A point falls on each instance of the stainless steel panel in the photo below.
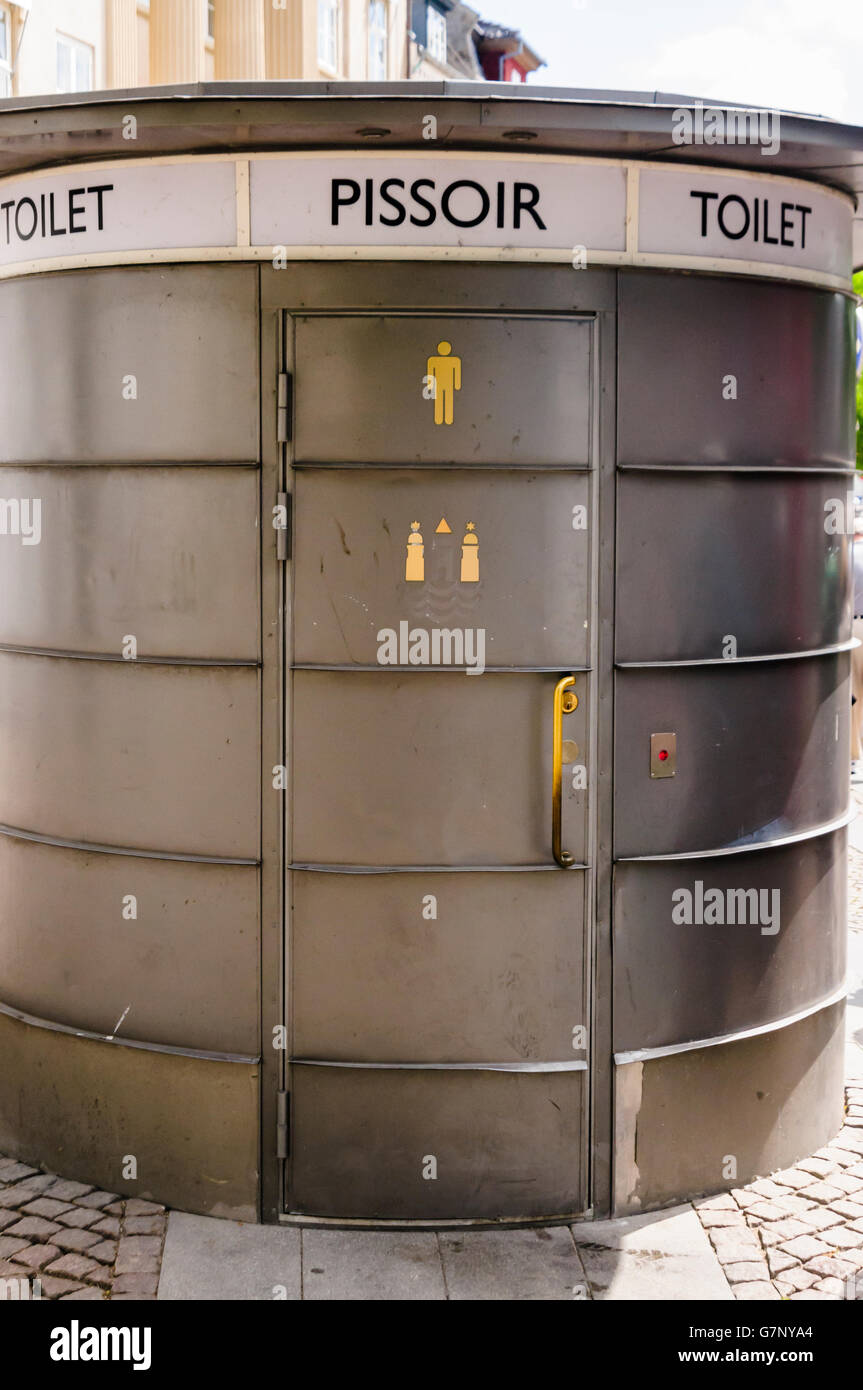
(438, 967)
(505, 1144)
(352, 561)
(183, 972)
(170, 555)
(145, 757)
(425, 285)
(430, 767)
(708, 557)
(76, 1107)
(790, 349)
(524, 397)
(187, 334)
(763, 1102)
(761, 753)
(684, 980)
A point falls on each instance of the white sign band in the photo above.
(518, 207)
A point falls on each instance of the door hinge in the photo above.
(283, 414)
(282, 1124)
(282, 524)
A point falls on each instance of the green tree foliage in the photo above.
(858, 286)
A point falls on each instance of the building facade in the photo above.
(84, 45)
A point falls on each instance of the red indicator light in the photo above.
(663, 754)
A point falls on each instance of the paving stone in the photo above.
(79, 1217)
(101, 1275)
(823, 1192)
(133, 1297)
(848, 1141)
(829, 1264)
(743, 1197)
(139, 1285)
(849, 1182)
(138, 1253)
(856, 1224)
(854, 1257)
(723, 1201)
(10, 1271)
(8, 1217)
(75, 1240)
(842, 1238)
(766, 1187)
(794, 1178)
(10, 1245)
(82, 1294)
(52, 1287)
(76, 1266)
(110, 1225)
(844, 1160)
(97, 1199)
(708, 1219)
(796, 1204)
(155, 1225)
(819, 1166)
(766, 1211)
(105, 1252)
(44, 1206)
(758, 1289)
(67, 1191)
(775, 1232)
(805, 1247)
(820, 1218)
(779, 1260)
(834, 1288)
(136, 1206)
(22, 1192)
(11, 1170)
(745, 1272)
(114, 1209)
(735, 1243)
(34, 1228)
(35, 1256)
(807, 1295)
(798, 1278)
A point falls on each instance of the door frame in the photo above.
(405, 288)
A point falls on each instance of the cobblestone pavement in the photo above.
(799, 1233)
(79, 1242)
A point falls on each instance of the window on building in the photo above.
(436, 33)
(5, 52)
(74, 65)
(329, 24)
(211, 18)
(377, 40)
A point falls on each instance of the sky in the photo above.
(798, 55)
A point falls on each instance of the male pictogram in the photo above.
(444, 375)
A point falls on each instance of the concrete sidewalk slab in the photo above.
(524, 1265)
(207, 1258)
(372, 1265)
(660, 1256)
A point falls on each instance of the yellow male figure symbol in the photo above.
(445, 373)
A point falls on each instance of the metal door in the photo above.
(438, 752)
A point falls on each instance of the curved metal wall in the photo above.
(130, 794)
(141, 779)
(735, 443)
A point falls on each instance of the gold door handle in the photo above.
(565, 701)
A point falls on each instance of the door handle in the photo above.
(565, 701)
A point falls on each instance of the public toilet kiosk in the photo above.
(424, 646)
